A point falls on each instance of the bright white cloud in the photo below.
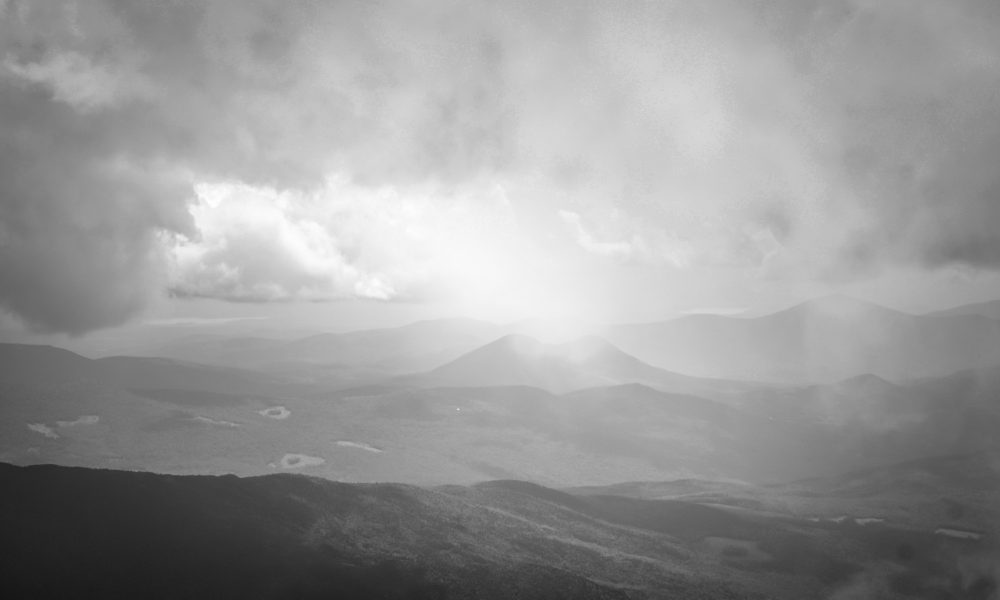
(343, 240)
(254, 244)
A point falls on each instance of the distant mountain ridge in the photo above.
(26, 363)
(989, 309)
(419, 345)
(821, 340)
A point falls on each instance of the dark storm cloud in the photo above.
(78, 232)
(817, 138)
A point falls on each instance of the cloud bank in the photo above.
(274, 151)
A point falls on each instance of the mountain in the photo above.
(420, 345)
(819, 341)
(158, 414)
(514, 408)
(822, 340)
(31, 364)
(214, 348)
(989, 309)
(553, 330)
(114, 534)
(36, 363)
(518, 360)
(411, 347)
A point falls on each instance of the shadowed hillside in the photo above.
(114, 534)
(117, 534)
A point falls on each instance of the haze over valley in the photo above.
(912, 460)
(628, 300)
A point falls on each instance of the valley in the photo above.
(517, 467)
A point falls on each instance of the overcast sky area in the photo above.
(356, 163)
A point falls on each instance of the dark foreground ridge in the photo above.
(75, 532)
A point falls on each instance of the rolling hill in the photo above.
(111, 534)
(31, 364)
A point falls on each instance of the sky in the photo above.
(356, 163)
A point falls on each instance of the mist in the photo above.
(595, 299)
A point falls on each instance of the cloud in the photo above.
(251, 247)
(795, 140)
(917, 115)
(78, 82)
(79, 228)
(343, 240)
(626, 242)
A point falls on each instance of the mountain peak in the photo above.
(840, 305)
(589, 345)
(990, 308)
(867, 382)
(524, 346)
(514, 341)
(521, 360)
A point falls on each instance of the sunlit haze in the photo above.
(492, 299)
